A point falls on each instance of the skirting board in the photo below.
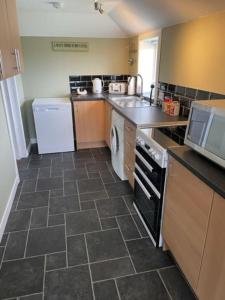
(8, 206)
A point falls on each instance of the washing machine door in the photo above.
(114, 140)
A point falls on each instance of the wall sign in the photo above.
(70, 46)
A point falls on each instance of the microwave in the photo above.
(205, 132)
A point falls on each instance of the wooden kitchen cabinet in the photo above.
(212, 276)
(89, 123)
(129, 147)
(108, 123)
(188, 203)
(11, 62)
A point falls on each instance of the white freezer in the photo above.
(54, 125)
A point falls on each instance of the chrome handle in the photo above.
(1, 65)
(18, 64)
(142, 186)
(144, 161)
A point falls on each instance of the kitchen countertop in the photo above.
(206, 170)
(142, 117)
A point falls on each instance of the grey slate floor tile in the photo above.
(28, 174)
(93, 196)
(106, 290)
(27, 273)
(31, 200)
(111, 207)
(147, 286)
(112, 269)
(39, 217)
(60, 205)
(128, 228)
(90, 185)
(55, 261)
(105, 245)
(16, 245)
(46, 184)
(82, 222)
(146, 257)
(56, 220)
(69, 284)
(176, 284)
(46, 240)
(79, 173)
(140, 225)
(116, 189)
(18, 220)
(70, 188)
(86, 205)
(32, 297)
(29, 186)
(109, 223)
(76, 249)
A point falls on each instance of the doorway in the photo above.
(13, 113)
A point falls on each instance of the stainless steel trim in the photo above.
(143, 160)
(142, 186)
(148, 181)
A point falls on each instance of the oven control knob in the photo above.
(157, 156)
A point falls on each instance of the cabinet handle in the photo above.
(18, 64)
(1, 65)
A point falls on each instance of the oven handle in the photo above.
(148, 181)
(142, 186)
(144, 161)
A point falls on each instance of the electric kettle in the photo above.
(97, 85)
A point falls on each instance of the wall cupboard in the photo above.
(11, 59)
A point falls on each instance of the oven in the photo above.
(150, 176)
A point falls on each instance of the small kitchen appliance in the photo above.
(119, 88)
(97, 85)
(205, 132)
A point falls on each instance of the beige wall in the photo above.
(193, 54)
(7, 164)
(47, 72)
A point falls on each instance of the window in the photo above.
(147, 62)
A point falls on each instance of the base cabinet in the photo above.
(187, 210)
(129, 147)
(211, 284)
(89, 123)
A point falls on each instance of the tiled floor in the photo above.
(74, 234)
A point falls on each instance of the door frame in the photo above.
(14, 117)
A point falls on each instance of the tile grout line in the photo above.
(117, 289)
(19, 195)
(6, 244)
(28, 231)
(171, 298)
(49, 195)
(92, 286)
(43, 288)
(35, 190)
(66, 241)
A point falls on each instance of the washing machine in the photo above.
(117, 144)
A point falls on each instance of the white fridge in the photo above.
(54, 124)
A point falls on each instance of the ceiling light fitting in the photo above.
(98, 7)
(57, 4)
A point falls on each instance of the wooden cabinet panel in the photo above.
(212, 276)
(15, 42)
(188, 204)
(129, 147)
(89, 123)
(108, 123)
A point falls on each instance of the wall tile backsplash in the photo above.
(185, 96)
(85, 81)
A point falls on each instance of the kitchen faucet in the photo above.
(142, 83)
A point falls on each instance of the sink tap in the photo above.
(142, 83)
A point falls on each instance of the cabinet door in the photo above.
(90, 123)
(15, 42)
(129, 147)
(6, 61)
(108, 123)
(187, 209)
(212, 277)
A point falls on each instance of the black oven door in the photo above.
(149, 206)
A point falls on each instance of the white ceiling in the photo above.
(122, 17)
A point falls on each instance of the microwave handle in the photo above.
(142, 186)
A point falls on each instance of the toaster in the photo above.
(118, 88)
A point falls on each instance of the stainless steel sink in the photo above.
(129, 101)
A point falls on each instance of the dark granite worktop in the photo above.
(206, 170)
(142, 117)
